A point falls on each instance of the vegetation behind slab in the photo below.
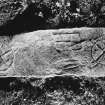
(53, 91)
(30, 15)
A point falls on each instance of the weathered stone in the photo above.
(77, 51)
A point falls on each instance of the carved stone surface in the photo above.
(77, 51)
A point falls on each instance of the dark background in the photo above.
(80, 13)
